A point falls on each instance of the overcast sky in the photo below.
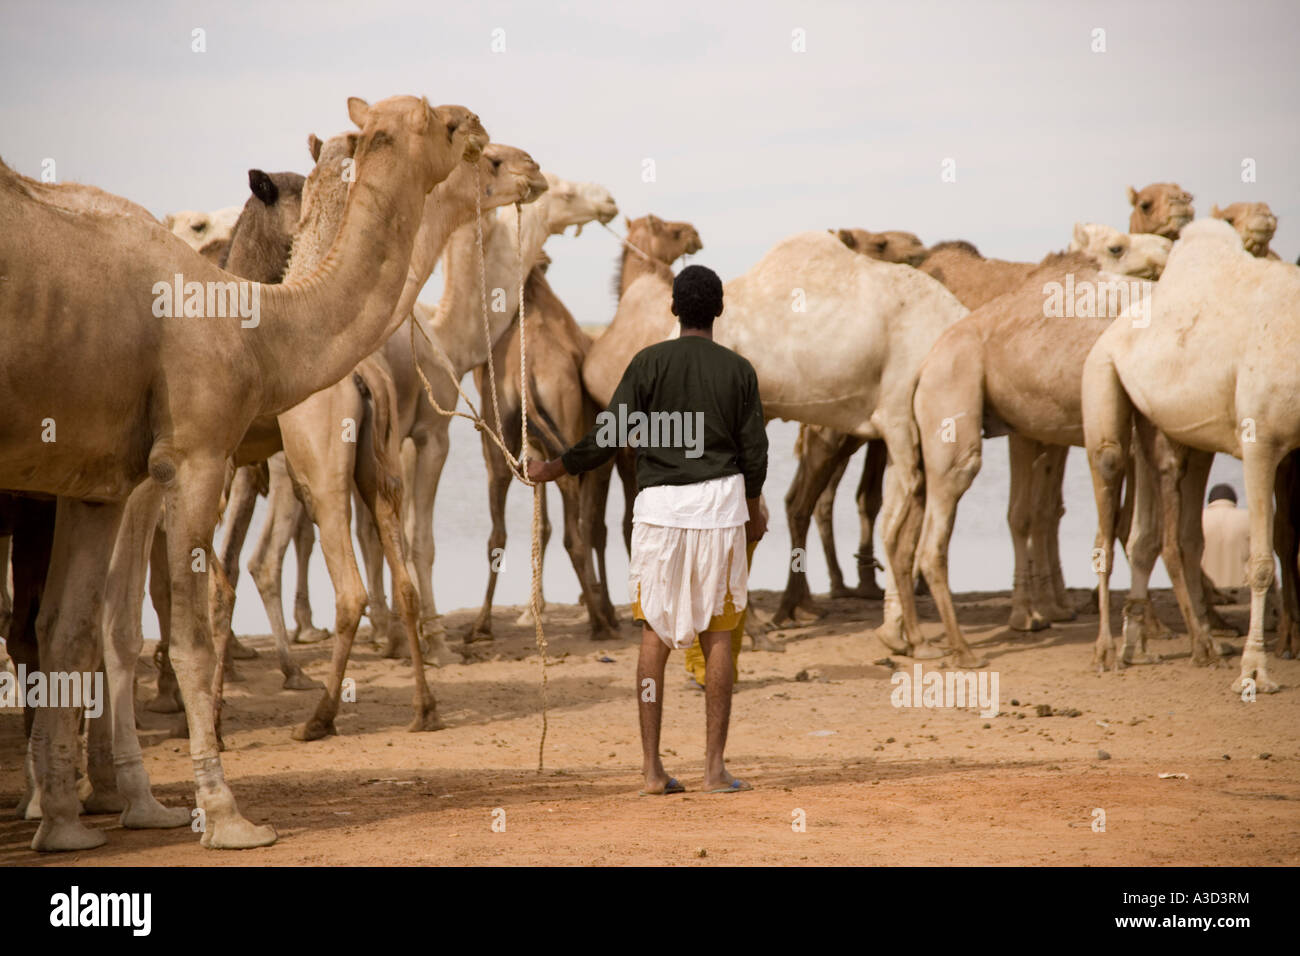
(751, 140)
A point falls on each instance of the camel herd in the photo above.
(130, 435)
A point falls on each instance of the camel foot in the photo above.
(1263, 683)
(61, 837)
(761, 641)
(839, 591)
(315, 729)
(1024, 619)
(241, 651)
(151, 815)
(891, 635)
(604, 633)
(112, 802)
(426, 721)
(806, 615)
(929, 652)
(867, 591)
(1059, 613)
(236, 833)
(969, 659)
(164, 704)
(310, 635)
(300, 681)
(479, 632)
(233, 676)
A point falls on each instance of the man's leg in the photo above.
(717, 696)
(695, 657)
(650, 707)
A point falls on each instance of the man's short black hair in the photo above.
(1223, 493)
(697, 297)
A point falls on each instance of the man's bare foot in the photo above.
(726, 784)
(661, 785)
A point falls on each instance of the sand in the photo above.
(813, 729)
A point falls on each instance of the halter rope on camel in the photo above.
(519, 465)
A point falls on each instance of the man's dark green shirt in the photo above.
(690, 408)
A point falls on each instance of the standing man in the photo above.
(690, 408)
(1226, 529)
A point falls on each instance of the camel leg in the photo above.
(104, 794)
(594, 494)
(824, 515)
(577, 545)
(167, 699)
(1050, 599)
(381, 493)
(1022, 452)
(191, 502)
(304, 540)
(266, 565)
(1139, 621)
(499, 479)
(1260, 460)
(817, 465)
(123, 639)
(239, 513)
(1178, 468)
(1286, 542)
(6, 598)
(68, 636)
(901, 525)
(422, 489)
(868, 497)
(33, 539)
(383, 621)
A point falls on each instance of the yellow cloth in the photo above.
(695, 664)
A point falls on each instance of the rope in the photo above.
(639, 252)
(517, 465)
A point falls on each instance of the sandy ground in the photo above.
(813, 729)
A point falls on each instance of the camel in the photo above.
(559, 415)
(1013, 367)
(893, 245)
(836, 340)
(456, 326)
(815, 446)
(207, 233)
(1161, 208)
(1254, 222)
(1193, 385)
(181, 396)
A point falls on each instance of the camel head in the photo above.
(509, 175)
(432, 139)
(663, 240)
(1141, 254)
(1254, 222)
(891, 246)
(576, 204)
(207, 233)
(1161, 208)
(262, 237)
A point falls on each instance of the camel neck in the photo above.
(330, 314)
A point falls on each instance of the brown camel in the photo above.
(456, 326)
(181, 396)
(1254, 222)
(1161, 208)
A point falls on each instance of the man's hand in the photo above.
(545, 470)
(756, 526)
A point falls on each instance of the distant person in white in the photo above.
(1226, 529)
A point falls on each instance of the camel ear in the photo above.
(313, 145)
(1216, 212)
(358, 111)
(848, 238)
(168, 221)
(1080, 235)
(627, 222)
(1132, 196)
(421, 116)
(262, 186)
(353, 139)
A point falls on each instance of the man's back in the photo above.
(1226, 529)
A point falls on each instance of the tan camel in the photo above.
(893, 245)
(207, 233)
(1254, 222)
(1195, 385)
(178, 403)
(1013, 367)
(559, 413)
(1161, 208)
(815, 447)
(456, 325)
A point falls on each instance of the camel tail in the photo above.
(542, 427)
(375, 435)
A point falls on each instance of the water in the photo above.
(980, 556)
